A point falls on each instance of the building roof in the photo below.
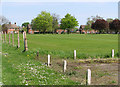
(8, 26)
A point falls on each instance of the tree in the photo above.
(43, 22)
(115, 25)
(25, 24)
(4, 27)
(55, 22)
(94, 18)
(100, 24)
(91, 20)
(3, 20)
(109, 20)
(68, 22)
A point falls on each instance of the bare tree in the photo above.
(3, 20)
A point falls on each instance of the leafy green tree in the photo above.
(43, 22)
(109, 20)
(55, 22)
(25, 24)
(87, 27)
(68, 22)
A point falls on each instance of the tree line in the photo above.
(106, 27)
(45, 22)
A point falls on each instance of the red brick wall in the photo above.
(30, 31)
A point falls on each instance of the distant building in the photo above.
(29, 29)
(89, 31)
(82, 30)
(60, 31)
(10, 28)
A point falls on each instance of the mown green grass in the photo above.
(19, 68)
(62, 46)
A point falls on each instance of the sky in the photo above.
(21, 11)
(59, 0)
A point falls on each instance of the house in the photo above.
(60, 31)
(89, 31)
(83, 31)
(10, 28)
(29, 29)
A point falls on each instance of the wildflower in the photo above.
(19, 76)
(31, 68)
(26, 84)
(23, 73)
(27, 55)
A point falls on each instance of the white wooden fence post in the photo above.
(112, 53)
(48, 60)
(64, 65)
(88, 77)
(25, 42)
(9, 37)
(18, 40)
(74, 54)
(23, 36)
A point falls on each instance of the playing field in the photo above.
(25, 68)
(89, 45)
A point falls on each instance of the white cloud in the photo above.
(60, 0)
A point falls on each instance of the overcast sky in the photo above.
(20, 11)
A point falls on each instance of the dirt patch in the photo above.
(104, 71)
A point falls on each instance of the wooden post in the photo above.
(74, 54)
(18, 40)
(5, 38)
(88, 77)
(37, 54)
(25, 42)
(112, 53)
(13, 38)
(9, 37)
(48, 60)
(64, 65)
